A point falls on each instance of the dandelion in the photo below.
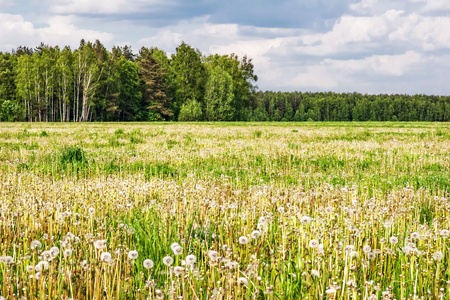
(7, 260)
(91, 210)
(444, 233)
(177, 250)
(29, 268)
(100, 244)
(415, 235)
(47, 255)
(353, 254)
(330, 291)
(315, 273)
(255, 234)
(305, 220)
(371, 255)
(243, 240)
(213, 255)
(41, 266)
(191, 259)
(35, 244)
(393, 240)
(367, 249)
(438, 255)
(67, 252)
(281, 209)
(54, 251)
(133, 254)
(105, 256)
(178, 270)
(174, 245)
(313, 243)
(168, 260)
(37, 275)
(148, 263)
(243, 281)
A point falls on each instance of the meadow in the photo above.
(225, 210)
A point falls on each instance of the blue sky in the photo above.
(367, 46)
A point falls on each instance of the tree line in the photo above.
(91, 83)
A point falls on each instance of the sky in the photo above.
(365, 46)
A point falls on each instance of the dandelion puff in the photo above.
(255, 234)
(305, 220)
(177, 250)
(29, 268)
(105, 256)
(54, 251)
(100, 244)
(67, 252)
(47, 255)
(281, 209)
(133, 254)
(178, 270)
(174, 245)
(243, 240)
(393, 240)
(91, 210)
(243, 281)
(315, 273)
(191, 259)
(148, 264)
(367, 249)
(438, 255)
(313, 243)
(415, 235)
(354, 254)
(36, 244)
(330, 291)
(37, 276)
(371, 255)
(168, 260)
(213, 255)
(444, 233)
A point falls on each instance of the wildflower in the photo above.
(91, 211)
(305, 220)
(148, 263)
(105, 256)
(415, 235)
(444, 233)
(42, 265)
(330, 291)
(168, 260)
(178, 270)
(329, 210)
(6, 260)
(100, 244)
(54, 251)
(255, 234)
(438, 255)
(47, 255)
(29, 268)
(243, 281)
(177, 250)
(281, 209)
(371, 255)
(313, 243)
(174, 245)
(243, 240)
(367, 249)
(393, 240)
(37, 275)
(315, 273)
(213, 255)
(36, 244)
(191, 259)
(133, 254)
(67, 252)
(353, 254)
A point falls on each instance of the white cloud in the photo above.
(59, 31)
(103, 6)
(433, 5)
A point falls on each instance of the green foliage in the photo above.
(219, 96)
(191, 111)
(72, 155)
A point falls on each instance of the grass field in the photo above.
(225, 211)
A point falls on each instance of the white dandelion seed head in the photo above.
(36, 244)
(47, 255)
(54, 251)
(7, 260)
(415, 235)
(330, 291)
(67, 252)
(191, 259)
(168, 260)
(178, 270)
(100, 244)
(29, 268)
(243, 240)
(371, 255)
(213, 255)
(438, 255)
(444, 233)
(177, 250)
(313, 243)
(91, 210)
(305, 220)
(174, 245)
(255, 234)
(353, 254)
(37, 276)
(315, 273)
(105, 256)
(367, 249)
(133, 254)
(148, 263)
(393, 240)
(243, 281)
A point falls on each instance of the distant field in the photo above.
(258, 210)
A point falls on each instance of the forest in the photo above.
(90, 83)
